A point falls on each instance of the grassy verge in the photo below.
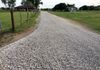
(91, 19)
(23, 26)
(20, 23)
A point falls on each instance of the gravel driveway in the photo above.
(55, 45)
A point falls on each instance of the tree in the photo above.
(61, 7)
(97, 7)
(10, 4)
(36, 3)
(91, 8)
(4, 1)
(27, 4)
(88, 7)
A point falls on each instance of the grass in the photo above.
(91, 19)
(22, 26)
(20, 23)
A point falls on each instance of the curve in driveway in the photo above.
(55, 45)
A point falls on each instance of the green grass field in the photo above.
(20, 23)
(91, 19)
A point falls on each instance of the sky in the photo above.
(52, 3)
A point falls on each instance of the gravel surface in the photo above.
(56, 44)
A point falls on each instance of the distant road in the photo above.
(57, 44)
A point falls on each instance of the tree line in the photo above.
(71, 7)
(85, 7)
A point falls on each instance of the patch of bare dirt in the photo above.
(7, 38)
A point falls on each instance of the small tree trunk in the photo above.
(12, 20)
(20, 19)
(27, 16)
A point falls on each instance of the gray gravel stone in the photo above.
(55, 45)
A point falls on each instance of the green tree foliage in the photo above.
(85, 7)
(9, 3)
(64, 7)
(4, 1)
(35, 2)
(61, 6)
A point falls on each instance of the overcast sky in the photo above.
(51, 3)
